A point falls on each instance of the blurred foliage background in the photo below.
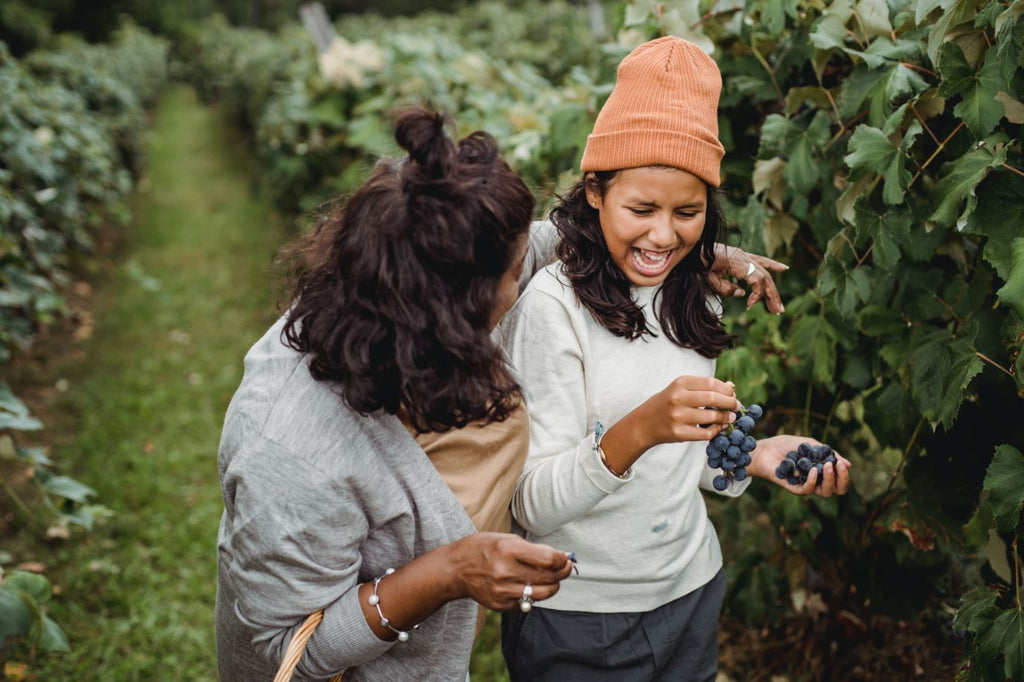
(874, 145)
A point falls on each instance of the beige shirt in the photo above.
(481, 464)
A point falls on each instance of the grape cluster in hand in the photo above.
(799, 462)
(730, 450)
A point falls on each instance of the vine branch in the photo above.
(995, 364)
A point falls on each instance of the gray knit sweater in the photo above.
(318, 499)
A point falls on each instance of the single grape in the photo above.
(745, 424)
(720, 482)
(736, 437)
(755, 411)
(728, 464)
(739, 474)
(748, 444)
(720, 442)
(804, 464)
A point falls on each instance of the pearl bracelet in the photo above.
(374, 600)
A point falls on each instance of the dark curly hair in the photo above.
(603, 288)
(393, 293)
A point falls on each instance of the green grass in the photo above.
(141, 417)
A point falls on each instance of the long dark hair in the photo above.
(393, 294)
(603, 288)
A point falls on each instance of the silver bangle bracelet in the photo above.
(374, 600)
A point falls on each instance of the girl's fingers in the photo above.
(769, 263)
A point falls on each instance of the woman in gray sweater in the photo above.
(329, 503)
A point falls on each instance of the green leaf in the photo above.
(998, 218)
(941, 367)
(978, 107)
(68, 488)
(880, 320)
(961, 177)
(872, 151)
(814, 341)
(51, 637)
(1004, 481)
(33, 585)
(1013, 291)
(804, 169)
(887, 231)
(977, 610)
(1006, 637)
(829, 31)
(954, 13)
(15, 617)
(976, 530)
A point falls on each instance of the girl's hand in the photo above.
(770, 451)
(682, 411)
(493, 569)
(734, 262)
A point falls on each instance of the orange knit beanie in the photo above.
(663, 111)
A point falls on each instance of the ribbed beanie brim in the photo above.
(662, 111)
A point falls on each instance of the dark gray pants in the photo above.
(677, 641)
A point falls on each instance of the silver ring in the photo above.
(750, 270)
(526, 602)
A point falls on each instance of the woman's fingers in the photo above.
(724, 287)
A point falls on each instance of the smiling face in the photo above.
(651, 218)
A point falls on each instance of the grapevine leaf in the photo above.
(874, 17)
(51, 637)
(68, 488)
(1013, 108)
(954, 13)
(977, 610)
(35, 586)
(880, 320)
(829, 31)
(887, 230)
(803, 171)
(960, 179)
(998, 218)
(778, 230)
(15, 618)
(873, 151)
(1004, 481)
(776, 132)
(850, 285)
(1013, 291)
(751, 221)
(815, 339)
(1006, 637)
(976, 530)
(767, 176)
(941, 367)
(978, 107)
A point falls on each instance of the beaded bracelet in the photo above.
(374, 600)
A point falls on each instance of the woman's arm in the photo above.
(756, 270)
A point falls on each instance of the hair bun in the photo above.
(422, 135)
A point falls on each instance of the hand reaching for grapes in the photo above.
(835, 478)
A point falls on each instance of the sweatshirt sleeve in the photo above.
(295, 549)
(563, 477)
(541, 250)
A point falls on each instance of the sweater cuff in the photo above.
(343, 639)
(589, 458)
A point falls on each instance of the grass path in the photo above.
(141, 417)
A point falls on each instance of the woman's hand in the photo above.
(734, 262)
(679, 412)
(835, 479)
(493, 569)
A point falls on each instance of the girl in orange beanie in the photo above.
(624, 331)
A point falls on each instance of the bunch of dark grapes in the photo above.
(730, 450)
(799, 462)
